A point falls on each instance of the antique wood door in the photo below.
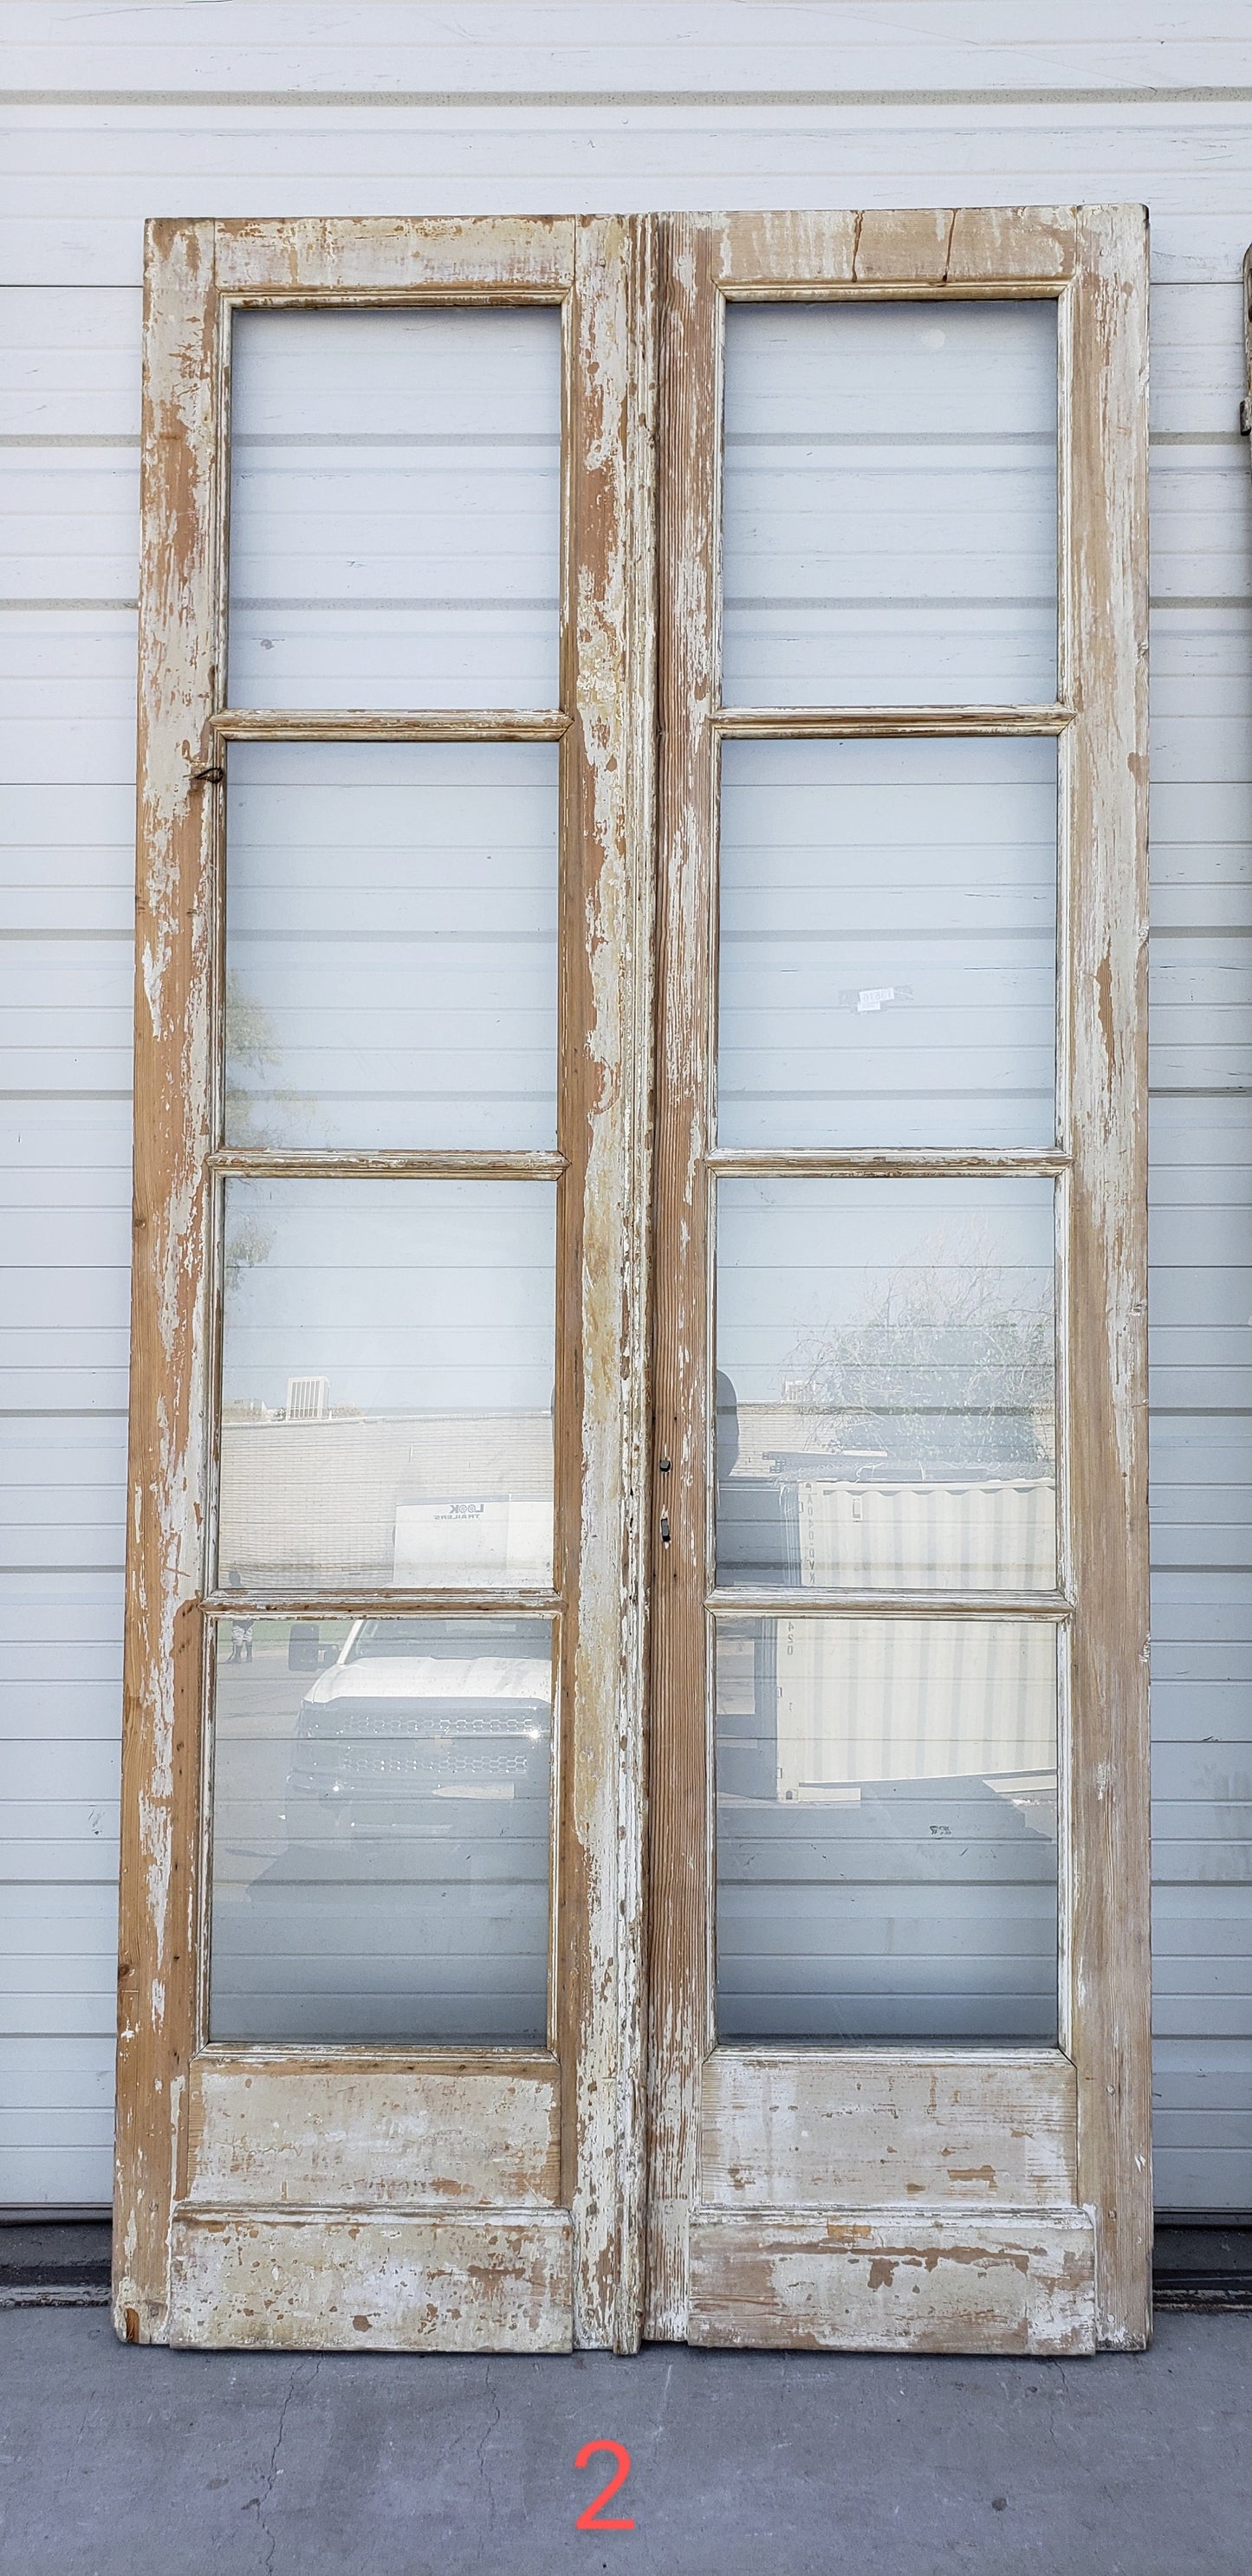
(898, 1763)
(457, 1341)
(379, 2072)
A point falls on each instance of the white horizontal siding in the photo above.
(543, 162)
(558, 46)
(60, 1686)
(252, 108)
(1200, 1309)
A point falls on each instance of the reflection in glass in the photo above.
(888, 943)
(886, 1829)
(886, 1384)
(394, 513)
(387, 1376)
(381, 1802)
(890, 526)
(391, 944)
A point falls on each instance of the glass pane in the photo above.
(890, 504)
(888, 943)
(886, 1829)
(381, 1829)
(391, 944)
(395, 497)
(387, 1377)
(886, 1384)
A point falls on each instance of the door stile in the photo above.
(178, 824)
(678, 1837)
(1110, 1967)
(607, 941)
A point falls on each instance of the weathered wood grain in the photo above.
(778, 1601)
(1104, 799)
(599, 268)
(862, 2128)
(603, 1244)
(349, 2281)
(347, 1602)
(678, 1843)
(388, 257)
(871, 1162)
(891, 2283)
(288, 1163)
(389, 724)
(973, 249)
(792, 724)
(1093, 261)
(174, 917)
(782, 2277)
(451, 2132)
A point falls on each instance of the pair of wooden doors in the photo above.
(635, 1732)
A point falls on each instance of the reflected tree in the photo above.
(257, 1111)
(950, 1368)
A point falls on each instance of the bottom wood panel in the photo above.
(1020, 2283)
(348, 2283)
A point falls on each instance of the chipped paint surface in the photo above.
(967, 2282)
(487, 2138)
(1078, 2133)
(578, 2269)
(1107, 854)
(383, 256)
(678, 1857)
(355, 2282)
(611, 790)
(862, 2128)
(172, 1074)
(915, 246)
(371, 2133)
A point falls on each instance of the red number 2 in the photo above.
(587, 2521)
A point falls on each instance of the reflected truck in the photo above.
(415, 1716)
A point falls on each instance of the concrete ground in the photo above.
(128, 2462)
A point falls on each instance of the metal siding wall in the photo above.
(170, 109)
